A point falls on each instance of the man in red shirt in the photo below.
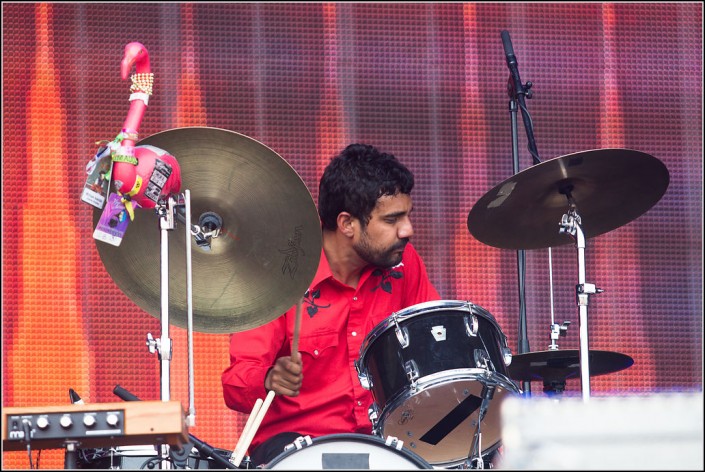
(368, 270)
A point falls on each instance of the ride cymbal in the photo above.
(265, 257)
(609, 187)
(559, 365)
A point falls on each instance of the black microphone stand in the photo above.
(517, 94)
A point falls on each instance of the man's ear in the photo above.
(346, 223)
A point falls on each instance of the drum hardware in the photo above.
(438, 406)
(482, 360)
(475, 460)
(402, 334)
(556, 332)
(412, 373)
(299, 443)
(471, 325)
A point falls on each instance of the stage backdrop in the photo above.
(427, 82)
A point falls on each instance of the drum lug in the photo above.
(507, 355)
(482, 360)
(365, 380)
(373, 413)
(412, 372)
(299, 443)
(394, 442)
(471, 326)
(402, 335)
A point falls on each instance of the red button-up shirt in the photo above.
(334, 322)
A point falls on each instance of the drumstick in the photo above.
(297, 327)
(248, 425)
(253, 429)
(257, 414)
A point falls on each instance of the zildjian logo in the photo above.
(291, 261)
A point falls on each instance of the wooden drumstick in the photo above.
(246, 429)
(297, 328)
(239, 454)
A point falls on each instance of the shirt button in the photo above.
(359, 403)
(354, 333)
(315, 351)
(354, 299)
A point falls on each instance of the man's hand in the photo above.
(286, 376)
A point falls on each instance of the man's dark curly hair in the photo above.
(355, 179)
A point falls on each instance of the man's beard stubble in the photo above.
(386, 258)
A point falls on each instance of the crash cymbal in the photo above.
(609, 187)
(558, 365)
(260, 265)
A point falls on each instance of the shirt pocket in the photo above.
(319, 345)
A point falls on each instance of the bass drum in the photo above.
(347, 451)
(434, 370)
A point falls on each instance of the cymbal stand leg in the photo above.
(570, 223)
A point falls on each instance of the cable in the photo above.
(27, 428)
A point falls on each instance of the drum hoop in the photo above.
(431, 380)
(355, 437)
(424, 308)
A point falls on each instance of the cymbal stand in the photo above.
(570, 224)
(167, 212)
(191, 418)
(163, 345)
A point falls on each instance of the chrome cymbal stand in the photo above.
(570, 224)
(167, 212)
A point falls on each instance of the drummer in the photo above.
(368, 270)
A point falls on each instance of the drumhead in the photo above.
(398, 317)
(439, 418)
(347, 451)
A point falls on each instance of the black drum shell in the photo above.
(384, 360)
